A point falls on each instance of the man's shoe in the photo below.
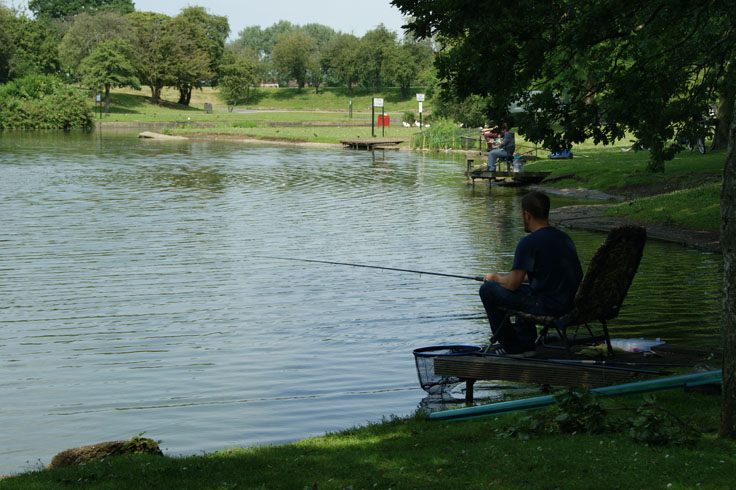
(499, 350)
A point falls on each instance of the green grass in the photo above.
(696, 208)
(128, 105)
(687, 193)
(313, 134)
(414, 453)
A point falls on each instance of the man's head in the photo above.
(534, 210)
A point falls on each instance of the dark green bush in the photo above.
(43, 102)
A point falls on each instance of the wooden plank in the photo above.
(527, 371)
(369, 143)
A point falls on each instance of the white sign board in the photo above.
(377, 102)
(420, 107)
(420, 97)
(97, 98)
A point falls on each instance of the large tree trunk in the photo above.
(182, 95)
(155, 94)
(107, 99)
(728, 245)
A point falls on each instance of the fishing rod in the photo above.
(473, 278)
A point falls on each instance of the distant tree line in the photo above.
(103, 44)
(315, 54)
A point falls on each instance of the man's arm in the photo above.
(510, 281)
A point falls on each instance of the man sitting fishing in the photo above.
(544, 278)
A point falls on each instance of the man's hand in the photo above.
(510, 281)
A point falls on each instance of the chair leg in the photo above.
(608, 338)
(504, 324)
(565, 341)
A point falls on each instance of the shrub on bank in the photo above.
(444, 134)
(43, 102)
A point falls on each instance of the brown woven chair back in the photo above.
(611, 270)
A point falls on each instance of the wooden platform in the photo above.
(549, 367)
(504, 178)
(373, 143)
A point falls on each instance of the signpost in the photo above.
(98, 100)
(377, 102)
(420, 99)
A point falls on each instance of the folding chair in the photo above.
(601, 292)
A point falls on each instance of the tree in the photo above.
(87, 31)
(6, 44)
(341, 60)
(54, 9)
(31, 49)
(151, 49)
(251, 39)
(728, 245)
(322, 34)
(215, 29)
(315, 75)
(237, 74)
(594, 56)
(375, 46)
(107, 66)
(292, 55)
(406, 63)
(189, 58)
(601, 67)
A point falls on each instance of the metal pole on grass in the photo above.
(373, 116)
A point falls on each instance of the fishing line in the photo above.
(473, 278)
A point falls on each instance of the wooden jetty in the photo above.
(374, 143)
(504, 178)
(547, 368)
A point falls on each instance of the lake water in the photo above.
(134, 299)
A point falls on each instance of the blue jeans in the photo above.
(520, 337)
(493, 155)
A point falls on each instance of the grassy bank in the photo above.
(491, 452)
(129, 105)
(687, 193)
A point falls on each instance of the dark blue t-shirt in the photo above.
(551, 261)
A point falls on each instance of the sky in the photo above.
(347, 16)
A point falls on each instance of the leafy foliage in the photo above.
(238, 74)
(582, 413)
(657, 426)
(151, 48)
(87, 31)
(27, 46)
(64, 8)
(584, 70)
(43, 102)
(292, 56)
(108, 66)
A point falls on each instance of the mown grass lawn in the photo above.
(413, 453)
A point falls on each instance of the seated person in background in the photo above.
(505, 149)
(544, 278)
(490, 134)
